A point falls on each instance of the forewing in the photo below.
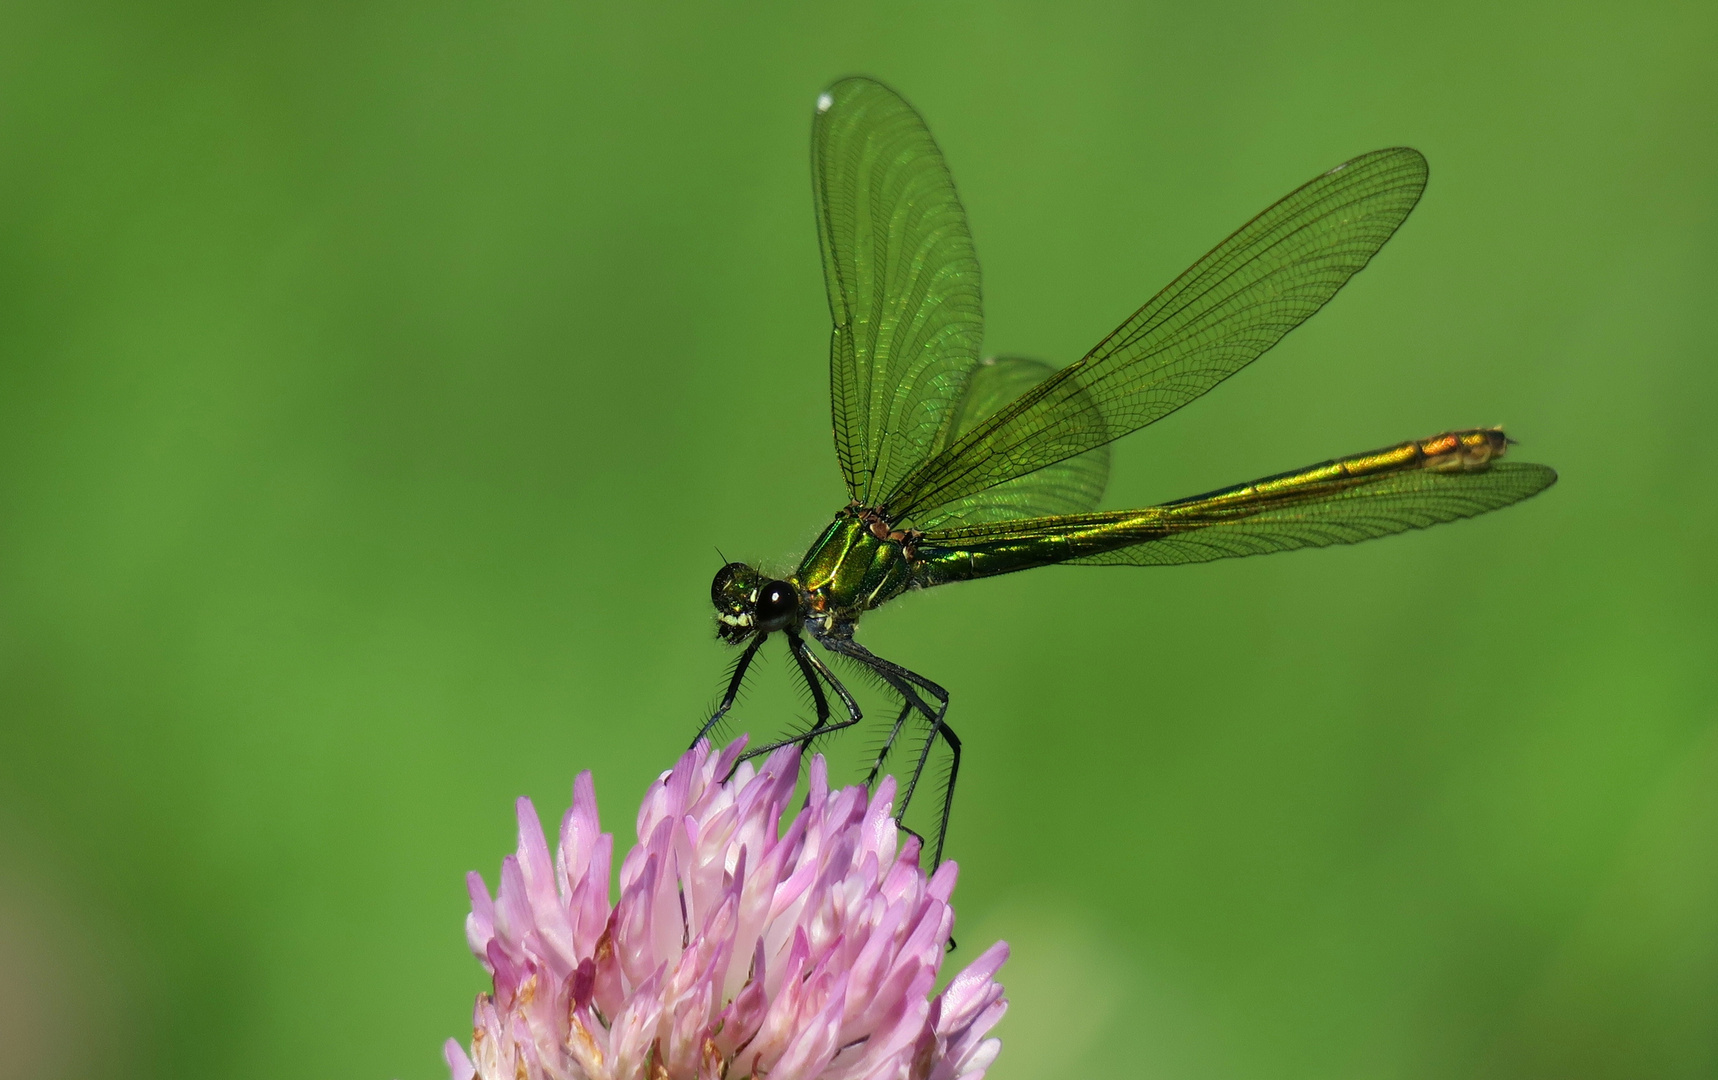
(1217, 317)
(1236, 522)
(902, 278)
(1072, 486)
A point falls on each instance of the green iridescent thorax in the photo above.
(850, 570)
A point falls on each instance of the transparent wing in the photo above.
(1314, 507)
(902, 278)
(1382, 507)
(1217, 317)
(1072, 486)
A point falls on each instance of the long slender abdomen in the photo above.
(1470, 450)
(1410, 485)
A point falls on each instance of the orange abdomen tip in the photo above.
(1472, 450)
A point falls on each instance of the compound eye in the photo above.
(722, 589)
(777, 602)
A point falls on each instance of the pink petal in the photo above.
(457, 1063)
(534, 864)
(480, 924)
(968, 990)
(634, 1029)
(740, 1022)
(817, 1040)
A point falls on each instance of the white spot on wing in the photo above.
(824, 101)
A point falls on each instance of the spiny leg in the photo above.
(911, 701)
(953, 741)
(889, 743)
(733, 691)
(808, 660)
(796, 648)
(899, 677)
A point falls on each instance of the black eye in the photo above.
(777, 600)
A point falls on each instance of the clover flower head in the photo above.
(737, 949)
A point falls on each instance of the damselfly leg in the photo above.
(733, 691)
(908, 684)
(812, 669)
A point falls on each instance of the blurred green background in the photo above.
(377, 380)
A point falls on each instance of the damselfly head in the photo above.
(747, 602)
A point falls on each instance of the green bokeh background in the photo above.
(376, 380)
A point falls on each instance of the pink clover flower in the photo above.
(736, 949)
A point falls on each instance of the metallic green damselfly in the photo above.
(960, 466)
